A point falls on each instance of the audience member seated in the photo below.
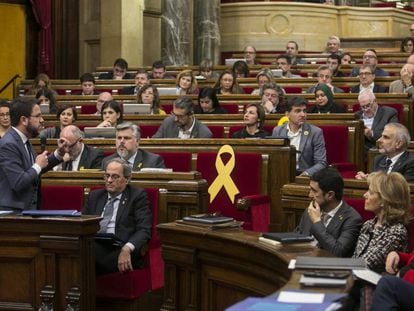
(5, 123)
(306, 138)
(334, 63)
(111, 114)
(250, 55)
(127, 148)
(182, 123)
(394, 156)
(141, 79)
(375, 117)
(66, 115)
(273, 98)
(158, 71)
(186, 83)
(263, 76)
(129, 207)
(324, 76)
(119, 71)
(148, 94)
(407, 45)
(240, 69)
(346, 58)
(284, 62)
(331, 221)
(324, 101)
(333, 45)
(292, 49)
(81, 156)
(206, 70)
(227, 84)
(370, 58)
(47, 96)
(367, 81)
(41, 81)
(102, 99)
(208, 102)
(87, 81)
(254, 119)
(405, 83)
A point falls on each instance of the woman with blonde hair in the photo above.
(186, 83)
(40, 82)
(148, 94)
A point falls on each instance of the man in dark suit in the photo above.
(375, 117)
(119, 71)
(20, 166)
(393, 157)
(334, 224)
(367, 81)
(307, 139)
(126, 214)
(127, 148)
(141, 79)
(182, 123)
(81, 156)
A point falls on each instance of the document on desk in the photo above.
(300, 297)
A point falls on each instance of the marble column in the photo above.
(207, 30)
(177, 32)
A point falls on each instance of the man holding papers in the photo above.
(332, 222)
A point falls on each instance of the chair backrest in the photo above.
(178, 161)
(152, 194)
(62, 197)
(411, 230)
(217, 130)
(148, 130)
(88, 109)
(336, 143)
(358, 205)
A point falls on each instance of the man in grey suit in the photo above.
(405, 84)
(127, 148)
(308, 139)
(393, 157)
(182, 123)
(334, 224)
(20, 166)
(375, 117)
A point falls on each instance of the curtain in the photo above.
(42, 10)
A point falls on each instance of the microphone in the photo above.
(43, 141)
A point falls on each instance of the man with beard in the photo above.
(127, 148)
(20, 166)
(182, 123)
(333, 223)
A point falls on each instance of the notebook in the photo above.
(99, 132)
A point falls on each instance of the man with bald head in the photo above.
(410, 59)
(80, 156)
(102, 99)
(405, 84)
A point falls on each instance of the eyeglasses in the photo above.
(5, 115)
(324, 76)
(114, 177)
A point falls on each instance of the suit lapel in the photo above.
(377, 118)
(138, 162)
(400, 161)
(23, 150)
(338, 218)
(304, 138)
(83, 158)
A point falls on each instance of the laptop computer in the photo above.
(231, 61)
(99, 132)
(277, 73)
(137, 108)
(167, 91)
(45, 108)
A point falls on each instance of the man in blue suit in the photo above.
(20, 166)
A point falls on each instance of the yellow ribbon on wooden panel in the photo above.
(223, 178)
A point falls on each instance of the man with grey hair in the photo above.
(333, 45)
(393, 157)
(127, 139)
(324, 75)
(182, 123)
(102, 99)
(273, 98)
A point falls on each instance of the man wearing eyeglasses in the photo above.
(375, 117)
(370, 58)
(20, 166)
(80, 156)
(284, 62)
(126, 217)
(367, 81)
(182, 122)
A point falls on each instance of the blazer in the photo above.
(110, 75)
(341, 234)
(133, 218)
(377, 89)
(91, 158)
(312, 151)
(383, 116)
(129, 90)
(397, 86)
(143, 159)
(169, 129)
(19, 182)
(404, 165)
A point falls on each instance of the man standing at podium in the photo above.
(125, 214)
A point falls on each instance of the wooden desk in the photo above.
(47, 262)
(211, 270)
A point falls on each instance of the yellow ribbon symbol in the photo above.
(223, 178)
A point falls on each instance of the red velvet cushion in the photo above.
(217, 130)
(178, 161)
(231, 108)
(148, 130)
(62, 197)
(336, 142)
(358, 205)
(88, 109)
(292, 89)
(411, 230)
(167, 107)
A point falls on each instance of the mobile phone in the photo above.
(327, 274)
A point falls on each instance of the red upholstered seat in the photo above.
(62, 197)
(411, 230)
(148, 130)
(167, 108)
(292, 89)
(246, 176)
(358, 205)
(231, 108)
(88, 109)
(217, 130)
(178, 161)
(131, 285)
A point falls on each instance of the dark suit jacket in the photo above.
(143, 159)
(312, 151)
(404, 165)
(341, 234)
(133, 219)
(91, 158)
(383, 116)
(79, 92)
(19, 182)
(169, 129)
(377, 89)
(110, 76)
(129, 90)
